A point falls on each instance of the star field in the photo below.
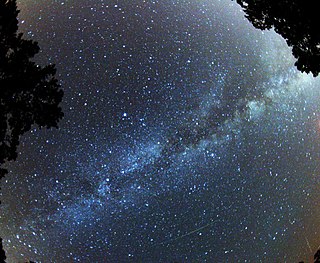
(188, 136)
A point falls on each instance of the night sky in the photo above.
(188, 136)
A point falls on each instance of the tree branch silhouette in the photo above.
(296, 21)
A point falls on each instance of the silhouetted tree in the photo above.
(2, 253)
(29, 94)
(297, 21)
(317, 257)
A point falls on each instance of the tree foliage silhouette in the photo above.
(2, 253)
(316, 257)
(29, 94)
(296, 21)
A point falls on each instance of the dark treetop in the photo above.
(296, 21)
(29, 93)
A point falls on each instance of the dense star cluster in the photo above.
(188, 136)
